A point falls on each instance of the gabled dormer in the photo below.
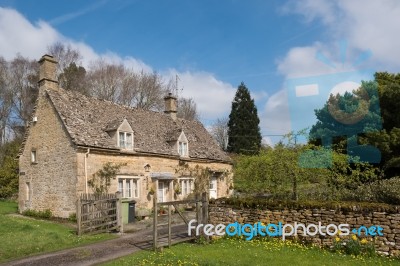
(183, 145)
(122, 134)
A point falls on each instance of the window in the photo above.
(125, 140)
(187, 185)
(183, 148)
(128, 187)
(33, 156)
(28, 191)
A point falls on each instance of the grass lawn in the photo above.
(20, 237)
(240, 252)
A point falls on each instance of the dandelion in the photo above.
(337, 239)
(364, 241)
(354, 237)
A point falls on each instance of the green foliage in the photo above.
(73, 78)
(46, 214)
(243, 126)
(72, 217)
(275, 172)
(280, 173)
(354, 246)
(273, 204)
(9, 169)
(200, 174)
(101, 180)
(385, 191)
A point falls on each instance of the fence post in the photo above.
(204, 200)
(119, 211)
(169, 224)
(155, 216)
(79, 215)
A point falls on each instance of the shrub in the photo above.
(46, 214)
(387, 191)
(72, 218)
(354, 246)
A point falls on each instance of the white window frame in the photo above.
(183, 149)
(187, 185)
(125, 143)
(33, 156)
(129, 186)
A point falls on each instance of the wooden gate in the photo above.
(201, 209)
(99, 213)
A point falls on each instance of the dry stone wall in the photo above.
(388, 244)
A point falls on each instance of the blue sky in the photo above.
(212, 45)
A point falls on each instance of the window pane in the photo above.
(134, 188)
(128, 188)
(122, 139)
(184, 148)
(129, 140)
(121, 186)
(33, 156)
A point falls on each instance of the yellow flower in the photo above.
(337, 239)
(354, 237)
(339, 232)
(364, 241)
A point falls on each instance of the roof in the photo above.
(89, 120)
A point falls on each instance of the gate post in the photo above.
(204, 199)
(119, 211)
(155, 223)
(79, 215)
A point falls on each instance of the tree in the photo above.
(9, 169)
(6, 98)
(23, 81)
(243, 126)
(187, 109)
(74, 78)
(65, 56)
(383, 98)
(219, 130)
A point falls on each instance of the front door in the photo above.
(213, 187)
(161, 191)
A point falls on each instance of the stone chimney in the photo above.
(170, 105)
(48, 72)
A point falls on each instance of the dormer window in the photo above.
(183, 147)
(126, 140)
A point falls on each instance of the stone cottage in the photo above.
(71, 136)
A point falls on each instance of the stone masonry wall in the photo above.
(50, 183)
(135, 167)
(388, 244)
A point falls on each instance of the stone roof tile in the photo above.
(88, 121)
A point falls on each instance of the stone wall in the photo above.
(50, 182)
(388, 244)
(135, 168)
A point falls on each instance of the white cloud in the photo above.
(18, 35)
(212, 96)
(275, 118)
(365, 25)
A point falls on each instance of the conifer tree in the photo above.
(243, 126)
